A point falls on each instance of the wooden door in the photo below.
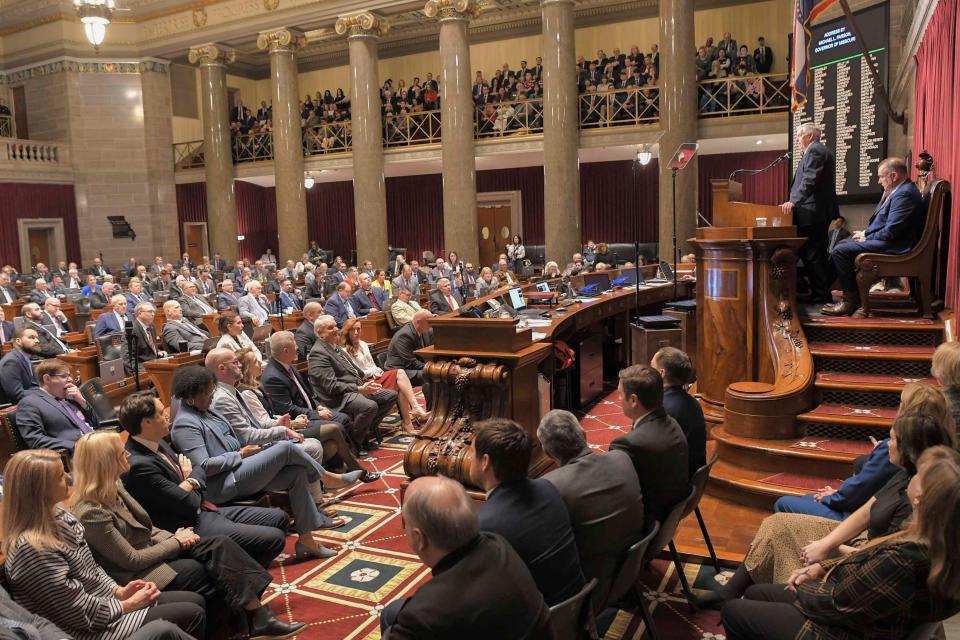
(39, 241)
(193, 234)
(20, 113)
(493, 224)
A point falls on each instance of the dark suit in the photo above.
(147, 347)
(439, 304)
(178, 333)
(227, 301)
(99, 271)
(479, 592)
(895, 226)
(602, 495)
(684, 408)
(98, 300)
(336, 306)
(814, 197)
(401, 352)
(305, 336)
(763, 59)
(10, 291)
(8, 331)
(107, 323)
(531, 515)
(55, 325)
(44, 424)
(281, 389)
(261, 532)
(361, 302)
(659, 452)
(16, 376)
(40, 296)
(50, 345)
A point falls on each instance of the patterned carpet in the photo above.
(341, 598)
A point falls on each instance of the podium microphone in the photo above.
(704, 220)
(753, 172)
(132, 350)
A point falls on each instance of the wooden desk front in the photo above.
(160, 372)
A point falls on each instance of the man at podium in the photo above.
(813, 203)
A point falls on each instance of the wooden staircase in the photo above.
(860, 368)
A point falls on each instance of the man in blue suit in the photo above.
(16, 371)
(115, 319)
(813, 203)
(341, 304)
(55, 414)
(368, 298)
(6, 328)
(894, 228)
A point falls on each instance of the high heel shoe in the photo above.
(303, 553)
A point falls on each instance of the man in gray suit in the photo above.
(228, 298)
(254, 305)
(407, 278)
(602, 494)
(194, 307)
(340, 385)
(177, 332)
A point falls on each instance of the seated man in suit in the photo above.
(254, 305)
(185, 261)
(194, 307)
(179, 335)
(205, 284)
(54, 318)
(444, 299)
(136, 294)
(894, 228)
(602, 495)
(655, 444)
(56, 286)
(98, 269)
(114, 320)
(171, 491)
(50, 344)
(340, 305)
(16, 370)
(530, 514)
(677, 372)
(148, 344)
(40, 293)
(72, 280)
(338, 382)
(407, 278)
(404, 306)
(401, 354)
(480, 588)
(235, 472)
(100, 298)
(441, 270)
(6, 328)
(368, 298)
(504, 274)
(289, 298)
(227, 299)
(304, 334)
(55, 414)
(8, 293)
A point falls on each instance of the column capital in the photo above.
(364, 23)
(282, 39)
(211, 53)
(452, 9)
(544, 3)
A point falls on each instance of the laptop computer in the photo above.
(543, 287)
(515, 300)
(601, 280)
(111, 371)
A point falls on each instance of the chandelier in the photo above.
(95, 16)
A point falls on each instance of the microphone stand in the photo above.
(132, 351)
(753, 172)
(636, 272)
(676, 248)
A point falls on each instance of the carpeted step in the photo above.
(872, 351)
(806, 455)
(866, 381)
(761, 488)
(873, 331)
(880, 418)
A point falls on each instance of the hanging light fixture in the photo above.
(95, 16)
(644, 156)
(308, 181)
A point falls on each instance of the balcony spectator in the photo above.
(728, 45)
(702, 61)
(744, 58)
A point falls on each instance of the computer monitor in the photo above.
(111, 371)
(602, 280)
(515, 299)
(543, 287)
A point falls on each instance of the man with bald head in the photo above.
(480, 587)
(254, 306)
(339, 383)
(100, 299)
(194, 307)
(367, 298)
(401, 354)
(179, 335)
(305, 334)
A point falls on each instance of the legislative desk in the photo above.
(499, 367)
(160, 372)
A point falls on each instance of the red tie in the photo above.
(373, 300)
(452, 303)
(205, 505)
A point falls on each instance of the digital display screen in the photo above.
(516, 299)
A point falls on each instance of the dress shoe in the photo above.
(846, 307)
(264, 625)
(370, 476)
(303, 553)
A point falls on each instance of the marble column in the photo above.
(457, 128)
(287, 140)
(363, 31)
(217, 154)
(561, 133)
(678, 121)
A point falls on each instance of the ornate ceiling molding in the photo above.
(282, 39)
(75, 65)
(365, 23)
(211, 54)
(451, 9)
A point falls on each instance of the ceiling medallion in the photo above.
(270, 5)
(200, 17)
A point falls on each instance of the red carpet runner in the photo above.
(341, 597)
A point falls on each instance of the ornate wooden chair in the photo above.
(918, 264)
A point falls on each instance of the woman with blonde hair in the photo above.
(886, 589)
(411, 415)
(123, 539)
(946, 369)
(50, 570)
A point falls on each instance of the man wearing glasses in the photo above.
(54, 415)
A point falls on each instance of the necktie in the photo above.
(203, 304)
(205, 505)
(350, 313)
(6, 295)
(71, 413)
(153, 346)
(453, 303)
(350, 366)
(373, 300)
(296, 380)
(243, 405)
(193, 329)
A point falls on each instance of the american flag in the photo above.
(805, 12)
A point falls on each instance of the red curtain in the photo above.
(24, 200)
(937, 115)
(619, 201)
(769, 187)
(330, 217)
(415, 214)
(191, 207)
(256, 219)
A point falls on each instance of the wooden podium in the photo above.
(749, 336)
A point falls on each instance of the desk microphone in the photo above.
(705, 221)
(752, 172)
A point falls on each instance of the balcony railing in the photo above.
(744, 95)
(633, 106)
(6, 126)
